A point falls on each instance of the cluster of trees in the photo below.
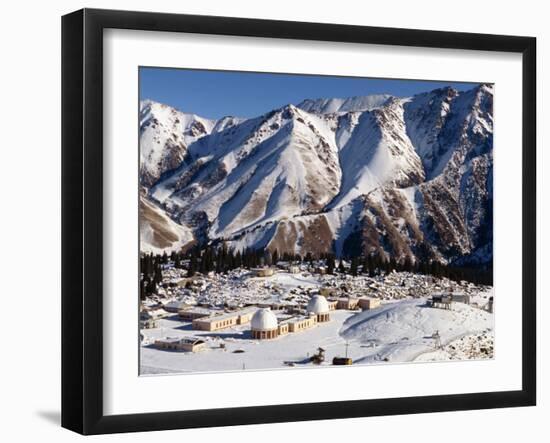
(151, 273)
(375, 265)
(221, 259)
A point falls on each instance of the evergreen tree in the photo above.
(192, 266)
(407, 264)
(268, 259)
(371, 263)
(341, 267)
(392, 264)
(157, 280)
(148, 265)
(365, 265)
(148, 287)
(435, 268)
(384, 266)
(142, 293)
(219, 264)
(330, 264)
(275, 257)
(354, 266)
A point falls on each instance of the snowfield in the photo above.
(402, 329)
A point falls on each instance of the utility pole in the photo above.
(437, 339)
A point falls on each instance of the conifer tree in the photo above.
(142, 293)
(354, 266)
(157, 280)
(341, 267)
(330, 264)
(192, 266)
(275, 257)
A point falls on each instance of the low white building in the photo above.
(366, 303)
(174, 306)
(188, 344)
(263, 272)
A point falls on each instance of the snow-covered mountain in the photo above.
(166, 133)
(377, 174)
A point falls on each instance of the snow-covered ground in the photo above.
(468, 347)
(401, 330)
(404, 330)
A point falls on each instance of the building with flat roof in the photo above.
(226, 320)
(174, 306)
(191, 314)
(263, 272)
(366, 303)
(301, 323)
(188, 344)
(329, 291)
(347, 303)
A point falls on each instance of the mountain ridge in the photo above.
(409, 177)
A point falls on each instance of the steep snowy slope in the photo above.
(378, 153)
(425, 114)
(332, 105)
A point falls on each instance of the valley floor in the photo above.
(402, 329)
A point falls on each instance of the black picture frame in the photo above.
(82, 215)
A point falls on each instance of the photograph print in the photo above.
(292, 221)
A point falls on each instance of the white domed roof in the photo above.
(318, 305)
(263, 320)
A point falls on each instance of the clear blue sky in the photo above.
(214, 94)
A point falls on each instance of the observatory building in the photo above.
(318, 305)
(264, 324)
